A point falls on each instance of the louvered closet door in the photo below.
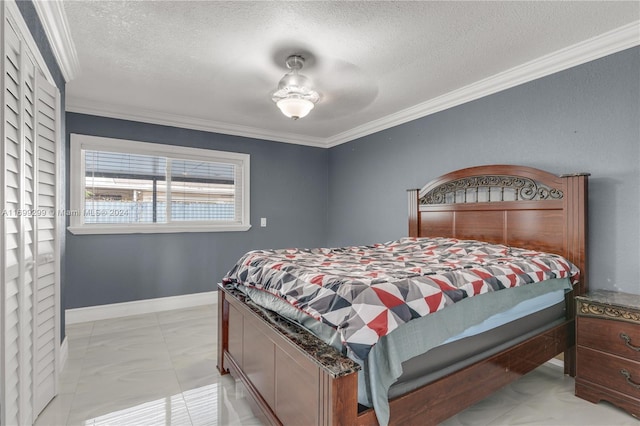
(11, 253)
(27, 225)
(19, 230)
(46, 299)
(29, 343)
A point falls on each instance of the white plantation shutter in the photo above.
(27, 226)
(18, 349)
(46, 334)
(29, 343)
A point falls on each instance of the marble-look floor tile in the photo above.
(119, 338)
(165, 411)
(182, 330)
(57, 412)
(539, 382)
(68, 379)
(103, 364)
(484, 411)
(77, 346)
(97, 398)
(188, 314)
(127, 381)
(189, 332)
(219, 404)
(543, 397)
(189, 354)
(195, 376)
(141, 369)
(124, 324)
(83, 329)
(555, 412)
(160, 369)
(545, 379)
(168, 410)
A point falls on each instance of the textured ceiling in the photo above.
(214, 64)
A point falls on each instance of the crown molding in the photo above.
(54, 21)
(597, 47)
(124, 112)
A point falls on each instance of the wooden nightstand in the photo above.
(608, 349)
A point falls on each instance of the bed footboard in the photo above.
(291, 376)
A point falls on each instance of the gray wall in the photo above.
(288, 186)
(583, 119)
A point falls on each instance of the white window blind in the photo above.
(124, 187)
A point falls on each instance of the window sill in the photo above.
(152, 229)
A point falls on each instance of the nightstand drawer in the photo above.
(616, 337)
(610, 371)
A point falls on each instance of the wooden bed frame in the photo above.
(291, 384)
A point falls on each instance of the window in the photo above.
(120, 186)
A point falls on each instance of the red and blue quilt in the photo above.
(366, 292)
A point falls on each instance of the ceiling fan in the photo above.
(340, 87)
(295, 97)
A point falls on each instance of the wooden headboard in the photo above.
(512, 205)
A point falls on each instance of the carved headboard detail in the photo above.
(490, 189)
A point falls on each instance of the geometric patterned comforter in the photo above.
(365, 292)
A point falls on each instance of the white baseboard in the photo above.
(64, 354)
(117, 310)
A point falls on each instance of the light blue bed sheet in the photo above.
(521, 310)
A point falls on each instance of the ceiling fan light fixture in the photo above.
(294, 97)
(294, 107)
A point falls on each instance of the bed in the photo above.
(297, 372)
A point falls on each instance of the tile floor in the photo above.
(160, 369)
